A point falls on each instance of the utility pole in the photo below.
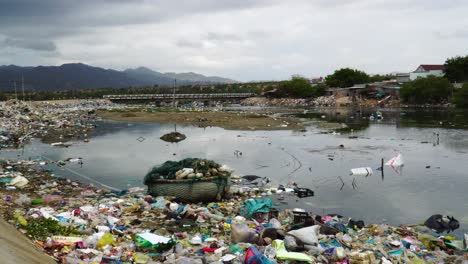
(22, 84)
(16, 95)
(173, 93)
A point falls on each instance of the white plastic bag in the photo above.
(18, 181)
(396, 161)
(307, 235)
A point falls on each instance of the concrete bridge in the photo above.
(158, 98)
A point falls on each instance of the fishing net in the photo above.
(168, 170)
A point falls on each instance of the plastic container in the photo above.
(364, 171)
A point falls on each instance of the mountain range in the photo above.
(82, 76)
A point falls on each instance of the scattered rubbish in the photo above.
(364, 171)
(253, 206)
(396, 161)
(60, 144)
(79, 223)
(18, 181)
(441, 223)
(283, 254)
(303, 192)
(307, 235)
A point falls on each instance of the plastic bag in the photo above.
(140, 258)
(23, 200)
(105, 240)
(282, 254)
(240, 232)
(49, 198)
(19, 181)
(20, 219)
(252, 206)
(396, 161)
(275, 223)
(290, 243)
(307, 235)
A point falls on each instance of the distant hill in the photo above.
(82, 76)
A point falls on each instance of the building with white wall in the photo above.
(425, 70)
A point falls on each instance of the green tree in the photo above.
(460, 97)
(297, 87)
(430, 89)
(379, 78)
(319, 90)
(456, 69)
(346, 77)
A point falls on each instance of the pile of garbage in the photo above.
(324, 101)
(188, 168)
(77, 223)
(262, 101)
(20, 120)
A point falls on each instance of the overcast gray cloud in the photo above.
(33, 44)
(240, 39)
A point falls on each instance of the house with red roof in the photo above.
(425, 70)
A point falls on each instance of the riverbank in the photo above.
(50, 121)
(226, 120)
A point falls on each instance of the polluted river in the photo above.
(433, 144)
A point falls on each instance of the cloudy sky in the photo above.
(240, 39)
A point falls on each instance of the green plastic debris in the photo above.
(6, 180)
(233, 249)
(153, 241)
(282, 254)
(252, 206)
(37, 201)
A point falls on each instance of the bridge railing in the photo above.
(176, 96)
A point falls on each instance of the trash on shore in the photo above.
(77, 223)
(21, 121)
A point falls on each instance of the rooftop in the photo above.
(432, 67)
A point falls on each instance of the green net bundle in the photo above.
(172, 170)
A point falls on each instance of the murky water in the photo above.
(433, 180)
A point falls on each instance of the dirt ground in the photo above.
(16, 248)
(230, 121)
